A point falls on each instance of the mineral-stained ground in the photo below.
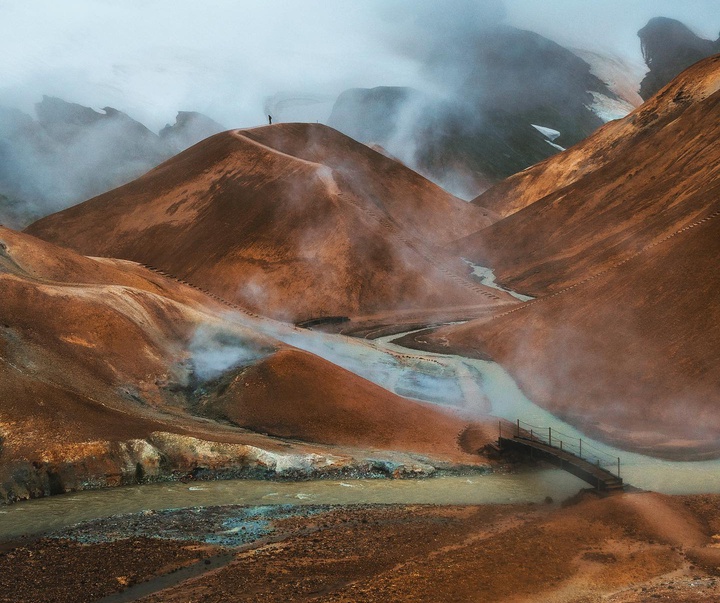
(626, 548)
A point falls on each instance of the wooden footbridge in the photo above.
(567, 452)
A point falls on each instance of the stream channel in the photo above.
(473, 387)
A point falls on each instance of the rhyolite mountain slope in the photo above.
(70, 153)
(111, 373)
(504, 81)
(294, 221)
(607, 197)
(619, 241)
(668, 47)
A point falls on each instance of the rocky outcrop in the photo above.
(189, 128)
(167, 456)
(668, 47)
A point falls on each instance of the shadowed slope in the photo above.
(293, 221)
(624, 339)
(632, 182)
(668, 47)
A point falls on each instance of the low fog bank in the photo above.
(68, 153)
(226, 59)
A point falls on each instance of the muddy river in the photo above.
(474, 387)
(58, 512)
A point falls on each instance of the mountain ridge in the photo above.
(295, 221)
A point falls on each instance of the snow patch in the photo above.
(487, 278)
(609, 109)
(556, 146)
(548, 133)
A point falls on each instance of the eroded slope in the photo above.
(111, 373)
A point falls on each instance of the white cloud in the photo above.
(151, 58)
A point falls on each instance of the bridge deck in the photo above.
(593, 474)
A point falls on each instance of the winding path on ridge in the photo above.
(325, 174)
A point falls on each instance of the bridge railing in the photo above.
(562, 441)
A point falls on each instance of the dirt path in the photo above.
(614, 266)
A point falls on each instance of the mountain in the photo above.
(503, 84)
(293, 221)
(111, 373)
(189, 128)
(373, 114)
(604, 199)
(668, 47)
(70, 153)
(618, 240)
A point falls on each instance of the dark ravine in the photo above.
(175, 577)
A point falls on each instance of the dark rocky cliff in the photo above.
(498, 85)
(71, 153)
(669, 47)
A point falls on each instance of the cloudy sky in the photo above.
(235, 59)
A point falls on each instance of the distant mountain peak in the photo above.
(669, 46)
(190, 127)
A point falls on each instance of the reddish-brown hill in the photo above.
(103, 369)
(296, 395)
(635, 180)
(294, 221)
(625, 338)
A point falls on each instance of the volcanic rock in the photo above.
(669, 47)
(189, 128)
(71, 153)
(503, 81)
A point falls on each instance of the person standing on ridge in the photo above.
(270, 119)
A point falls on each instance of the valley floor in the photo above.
(626, 548)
